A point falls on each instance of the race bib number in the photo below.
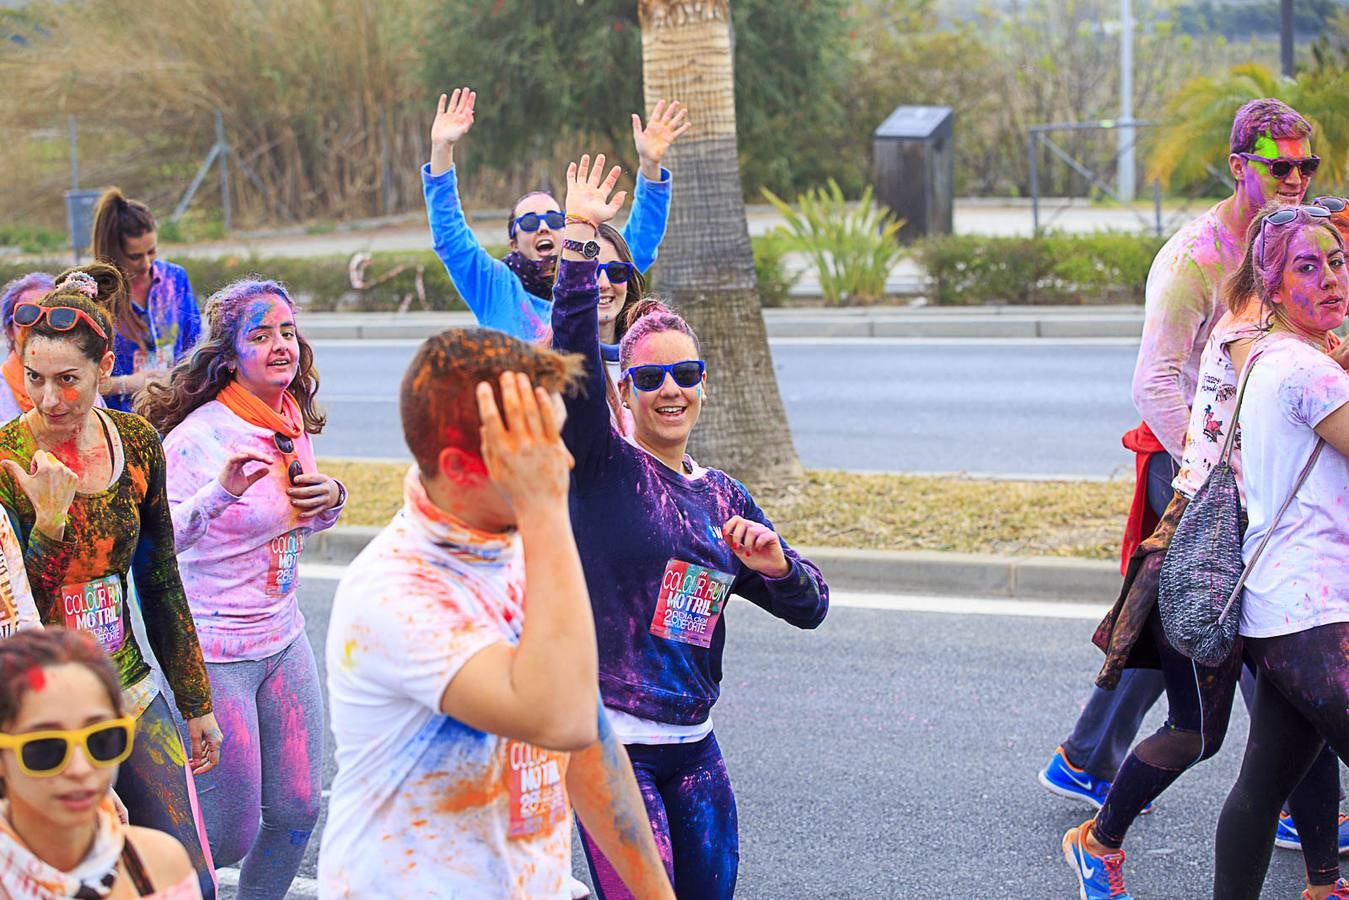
(283, 563)
(96, 606)
(690, 603)
(538, 795)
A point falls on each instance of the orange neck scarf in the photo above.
(13, 372)
(246, 405)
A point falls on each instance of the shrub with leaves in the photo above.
(771, 270)
(851, 245)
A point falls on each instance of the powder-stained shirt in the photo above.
(1184, 302)
(492, 291)
(17, 610)
(424, 805)
(659, 571)
(1299, 581)
(81, 580)
(239, 556)
(1215, 402)
(173, 324)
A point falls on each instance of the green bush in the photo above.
(852, 246)
(32, 238)
(774, 282)
(320, 283)
(1104, 267)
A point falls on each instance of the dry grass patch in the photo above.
(877, 512)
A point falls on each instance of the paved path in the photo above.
(893, 753)
(1009, 407)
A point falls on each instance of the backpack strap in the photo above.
(1269, 532)
(1236, 411)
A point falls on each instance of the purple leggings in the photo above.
(1301, 705)
(692, 808)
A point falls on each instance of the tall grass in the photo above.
(320, 97)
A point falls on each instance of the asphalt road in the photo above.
(1007, 407)
(893, 752)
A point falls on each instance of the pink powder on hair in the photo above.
(37, 679)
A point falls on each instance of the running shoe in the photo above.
(1341, 892)
(1098, 877)
(1061, 777)
(1286, 835)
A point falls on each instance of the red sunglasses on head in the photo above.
(60, 318)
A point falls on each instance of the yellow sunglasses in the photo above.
(42, 754)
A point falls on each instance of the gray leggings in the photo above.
(261, 803)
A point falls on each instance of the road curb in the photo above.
(903, 572)
(792, 323)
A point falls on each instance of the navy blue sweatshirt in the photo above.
(657, 567)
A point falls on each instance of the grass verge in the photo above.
(876, 512)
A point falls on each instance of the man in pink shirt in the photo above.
(1270, 160)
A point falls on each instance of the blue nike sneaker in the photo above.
(1098, 877)
(1286, 835)
(1065, 779)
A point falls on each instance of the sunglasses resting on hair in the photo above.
(43, 754)
(60, 318)
(1334, 204)
(554, 219)
(686, 374)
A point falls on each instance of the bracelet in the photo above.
(582, 220)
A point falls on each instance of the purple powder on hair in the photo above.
(1269, 117)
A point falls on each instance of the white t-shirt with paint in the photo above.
(424, 805)
(1302, 580)
(17, 610)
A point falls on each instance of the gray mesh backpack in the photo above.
(1202, 576)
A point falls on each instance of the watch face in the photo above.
(591, 249)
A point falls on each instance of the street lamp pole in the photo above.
(1286, 37)
(1125, 133)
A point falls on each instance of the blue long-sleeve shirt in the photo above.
(172, 320)
(495, 295)
(650, 540)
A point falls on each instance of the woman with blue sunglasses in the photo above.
(664, 543)
(514, 295)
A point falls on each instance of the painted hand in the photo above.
(207, 739)
(756, 546)
(49, 485)
(588, 195)
(667, 123)
(236, 479)
(522, 442)
(314, 493)
(454, 117)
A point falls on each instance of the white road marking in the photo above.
(955, 606)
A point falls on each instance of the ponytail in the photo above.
(117, 218)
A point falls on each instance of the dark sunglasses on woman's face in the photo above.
(686, 374)
(554, 219)
(618, 272)
(42, 754)
(1281, 166)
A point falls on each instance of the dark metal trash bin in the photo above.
(80, 219)
(913, 161)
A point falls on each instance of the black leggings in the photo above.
(1200, 706)
(1301, 705)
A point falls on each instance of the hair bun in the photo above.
(646, 307)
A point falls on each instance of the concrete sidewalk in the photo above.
(956, 574)
(983, 322)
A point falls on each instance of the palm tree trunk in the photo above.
(706, 266)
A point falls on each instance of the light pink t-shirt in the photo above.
(239, 556)
(1184, 303)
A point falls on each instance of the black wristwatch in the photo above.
(588, 249)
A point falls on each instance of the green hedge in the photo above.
(320, 283)
(1104, 267)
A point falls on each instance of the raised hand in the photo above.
(588, 196)
(454, 118)
(667, 123)
(756, 546)
(522, 442)
(235, 478)
(50, 486)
